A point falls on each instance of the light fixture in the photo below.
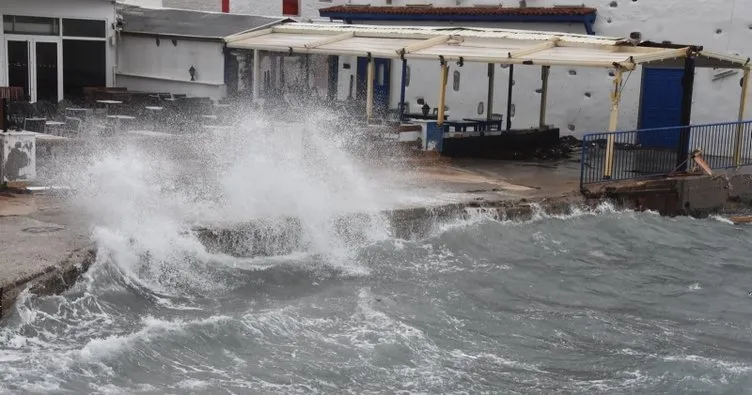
(192, 71)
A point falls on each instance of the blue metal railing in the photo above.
(656, 152)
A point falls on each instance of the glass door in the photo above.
(19, 60)
(47, 71)
(34, 63)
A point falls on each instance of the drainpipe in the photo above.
(226, 6)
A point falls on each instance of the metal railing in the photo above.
(656, 152)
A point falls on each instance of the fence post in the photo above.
(688, 83)
(740, 126)
(608, 165)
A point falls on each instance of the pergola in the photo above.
(484, 45)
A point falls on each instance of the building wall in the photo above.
(578, 100)
(84, 9)
(146, 66)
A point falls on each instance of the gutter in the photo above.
(348, 17)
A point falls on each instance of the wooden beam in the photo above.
(533, 49)
(739, 128)
(329, 40)
(442, 93)
(608, 165)
(369, 90)
(423, 44)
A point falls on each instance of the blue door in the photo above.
(661, 106)
(381, 83)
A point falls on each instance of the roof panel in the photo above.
(166, 21)
(370, 44)
(282, 41)
(574, 53)
(453, 43)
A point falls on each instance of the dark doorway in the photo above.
(84, 65)
(46, 70)
(18, 65)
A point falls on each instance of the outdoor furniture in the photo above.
(108, 103)
(54, 127)
(462, 125)
(76, 112)
(485, 124)
(429, 117)
(153, 111)
(118, 119)
(35, 124)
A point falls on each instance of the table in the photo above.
(485, 124)
(461, 126)
(119, 118)
(76, 112)
(154, 110)
(55, 125)
(108, 103)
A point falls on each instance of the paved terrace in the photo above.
(43, 235)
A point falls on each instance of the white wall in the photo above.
(146, 66)
(83, 9)
(143, 3)
(718, 25)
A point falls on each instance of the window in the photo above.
(456, 81)
(291, 7)
(84, 28)
(380, 75)
(407, 76)
(13, 24)
(84, 65)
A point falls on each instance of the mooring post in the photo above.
(688, 83)
(613, 122)
(740, 127)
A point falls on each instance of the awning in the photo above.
(502, 46)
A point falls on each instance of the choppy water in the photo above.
(596, 302)
(593, 303)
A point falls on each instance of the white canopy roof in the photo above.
(503, 46)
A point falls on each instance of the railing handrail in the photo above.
(749, 121)
(639, 153)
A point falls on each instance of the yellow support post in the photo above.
(739, 128)
(369, 91)
(608, 165)
(442, 93)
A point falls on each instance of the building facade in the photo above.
(55, 48)
(578, 97)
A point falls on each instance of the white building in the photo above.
(181, 51)
(55, 48)
(578, 97)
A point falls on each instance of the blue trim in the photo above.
(348, 17)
